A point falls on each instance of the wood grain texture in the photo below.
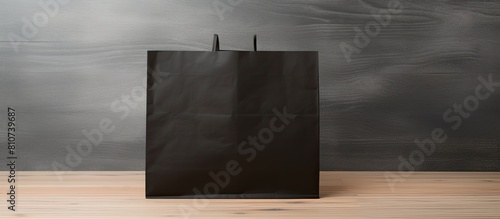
(343, 195)
(64, 78)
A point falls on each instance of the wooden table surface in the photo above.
(343, 195)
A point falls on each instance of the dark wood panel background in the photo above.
(64, 76)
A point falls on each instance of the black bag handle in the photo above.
(255, 43)
(216, 47)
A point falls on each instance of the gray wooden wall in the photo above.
(65, 70)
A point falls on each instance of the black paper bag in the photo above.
(232, 124)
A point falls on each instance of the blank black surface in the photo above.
(205, 104)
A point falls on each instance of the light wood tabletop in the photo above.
(343, 195)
